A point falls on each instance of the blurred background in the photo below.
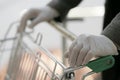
(85, 18)
(91, 12)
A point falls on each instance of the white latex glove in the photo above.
(43, 14)
(86, 47)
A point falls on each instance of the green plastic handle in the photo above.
(101, 64)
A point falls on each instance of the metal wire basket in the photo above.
(30, 61)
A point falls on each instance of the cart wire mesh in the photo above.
(30, 61)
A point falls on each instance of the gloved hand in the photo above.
(86, 47)
(43, 14)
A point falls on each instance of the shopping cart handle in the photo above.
(101, 64)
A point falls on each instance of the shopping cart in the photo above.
(30, 61)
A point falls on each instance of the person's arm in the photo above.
(85, 47)
(56, 9)
(63, 6)
(112, 31)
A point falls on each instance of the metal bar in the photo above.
(20, 70)
(39, 71)
(8, 39)
(34, 74)
(45, 76)
(54, 69)
(64, 43)
(8, 30)
(17, 62)
(31, 67)
(26, 66)
(63, 31)
(23, 66)
(88, 74)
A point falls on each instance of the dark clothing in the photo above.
(114, 72)
(63, 6)
(112, 31)
(112, 7)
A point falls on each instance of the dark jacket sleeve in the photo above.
(63, 6)
(112, 31)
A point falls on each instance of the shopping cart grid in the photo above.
(31, 61)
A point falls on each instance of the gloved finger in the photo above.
(68, 52)
(27, 15)
(74, 43)
(23, 22)
(83, 53)
(35, 21)
(74, 54)
(87, 58)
